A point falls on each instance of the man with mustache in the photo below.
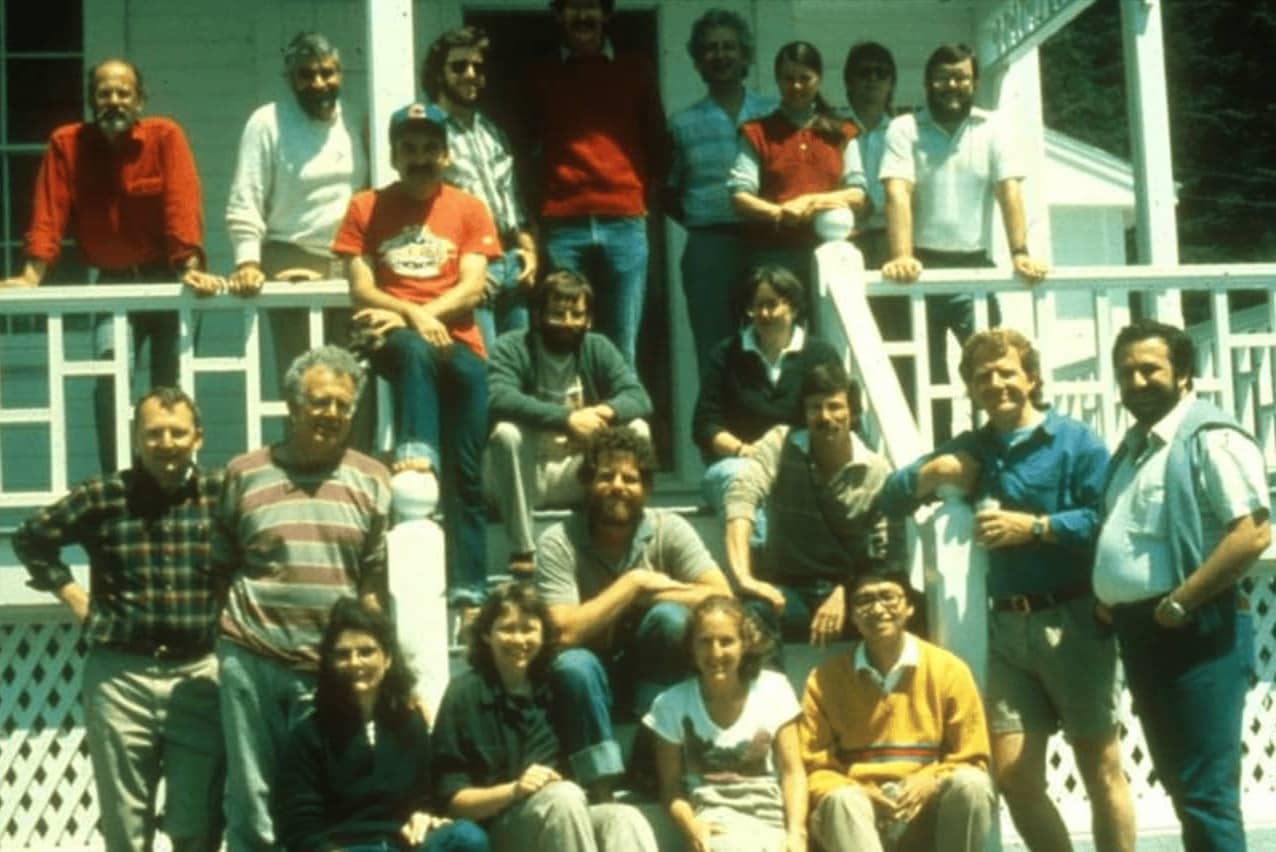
(300, 159)
(715, 260)
(1049, 667)
(416, 256)
(126, 187)
(596, 112)
(820, 486)
(942, 169)
(453, 76)
(552, 388)
(150, 619)
(1187, 513)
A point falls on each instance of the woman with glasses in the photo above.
(795, 163)
(869, 75)
(355, 774)
(750, 382)
(727, 753)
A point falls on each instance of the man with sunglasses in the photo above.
(892, 735)
(453, 77)
(869, 75)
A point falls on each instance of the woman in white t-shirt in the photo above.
(726, 741)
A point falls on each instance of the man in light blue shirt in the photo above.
(453, 76)
(1187, 514)
(705, 142)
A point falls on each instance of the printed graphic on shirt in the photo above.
(715, 764)
(416, 252)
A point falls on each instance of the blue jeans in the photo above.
(611, 251)
(261, 700)
(1189, 694)
(440, 414)
(715, 266)
(646, 657)
(504, 307)
(457, 836)
(713, 487)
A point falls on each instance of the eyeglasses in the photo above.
(460, 66)
(890, 600)
(944, 80)
(324, 404)
(767, 306)
(871, 72)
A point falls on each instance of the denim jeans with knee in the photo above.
(611, 251)
(645, 659)
(504, 307)
(440, 414)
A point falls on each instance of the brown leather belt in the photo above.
(1026, 604)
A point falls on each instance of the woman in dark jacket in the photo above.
(752, 379)
(356, 770)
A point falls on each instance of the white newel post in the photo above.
(957, 584)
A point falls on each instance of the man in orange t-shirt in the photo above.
(416, 257)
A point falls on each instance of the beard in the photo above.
(318, 104)
(939, 106)
(114, 122)
(454, 94)
(561, 341)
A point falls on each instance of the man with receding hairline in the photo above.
(125, 187)
(149, 619)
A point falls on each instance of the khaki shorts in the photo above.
(1050, 669)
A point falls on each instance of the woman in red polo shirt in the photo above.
(795, 163)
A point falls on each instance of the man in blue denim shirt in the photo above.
(1049, 665)
(453, 76)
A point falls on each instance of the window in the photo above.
(41, 87)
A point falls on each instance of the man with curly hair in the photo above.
(619, 579)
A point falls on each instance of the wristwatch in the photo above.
(1174, 611)
(1038, 528)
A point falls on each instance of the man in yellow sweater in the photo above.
(893, 736)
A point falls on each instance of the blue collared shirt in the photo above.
(1057, 470)
(705, 144)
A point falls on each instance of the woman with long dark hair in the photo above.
(795, 163)
(356, 770)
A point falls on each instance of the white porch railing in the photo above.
(1236, 369)
(46, 347)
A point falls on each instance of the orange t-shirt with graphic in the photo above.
(417, 244)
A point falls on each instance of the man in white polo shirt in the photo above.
(942, 169)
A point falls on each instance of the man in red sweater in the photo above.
(126, 188)
(598, 117)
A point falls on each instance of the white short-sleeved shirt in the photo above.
(1132, 562)
(733, 766)
(952, 176)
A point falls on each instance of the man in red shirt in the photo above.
(598, 117)
(126, 188)
(416, 256)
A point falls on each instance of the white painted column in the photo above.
(957, 584)
(1148, 110)
(391, 76)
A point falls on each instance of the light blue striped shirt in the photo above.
(705, 144)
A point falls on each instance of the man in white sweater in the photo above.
(300, 160)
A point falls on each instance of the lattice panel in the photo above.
(46, 794)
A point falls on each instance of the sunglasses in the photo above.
(872, 72)
(460, 66)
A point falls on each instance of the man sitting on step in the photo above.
(550, 388)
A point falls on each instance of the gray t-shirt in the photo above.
(569, 570)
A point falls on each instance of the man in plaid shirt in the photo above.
(150, 618)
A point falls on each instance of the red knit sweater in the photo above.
(602, 129)
(794, 161)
